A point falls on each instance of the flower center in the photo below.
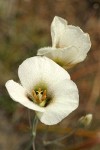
(39, 97)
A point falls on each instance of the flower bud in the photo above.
(86, 120)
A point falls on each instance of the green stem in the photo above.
(35, 122)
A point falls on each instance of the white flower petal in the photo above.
(19, 94)
(65, 57)
(65, 100)
(74, 36)
(39, 69)
(45, 50)
(64, 35)
(62, 54)
(58, 27)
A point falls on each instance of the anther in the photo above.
(44, 95)
(35, 96)
(39, 95)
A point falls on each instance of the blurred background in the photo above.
(24, 28)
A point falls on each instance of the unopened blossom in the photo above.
(86, 120)
(46, 88)
(70, 44)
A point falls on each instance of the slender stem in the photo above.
(35, 122)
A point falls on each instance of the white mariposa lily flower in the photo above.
(46, 88)
(70, 44)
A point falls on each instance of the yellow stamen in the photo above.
(44, 96)
(39, 95)
(35, 96)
